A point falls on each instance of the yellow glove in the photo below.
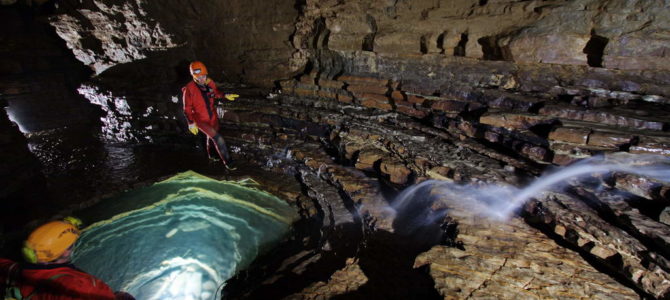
(192, 128)
(232, 97)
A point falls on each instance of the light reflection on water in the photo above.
(180, 238)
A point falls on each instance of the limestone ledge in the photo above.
(400, 150)
(620, 250)
(347, 279)
(556, 133)
(511, 260)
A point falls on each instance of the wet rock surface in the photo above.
(348, 279)
(391, 139)
(512, 260)
(37, 76)
(622, 244)
(360, 100)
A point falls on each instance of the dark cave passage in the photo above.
(342, 108)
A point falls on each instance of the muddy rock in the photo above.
(610, 140)
(641, 186)
(616, 118)
(514, 121)
(652, 145)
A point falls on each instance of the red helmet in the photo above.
(197, 68)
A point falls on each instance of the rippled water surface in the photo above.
(180, 238)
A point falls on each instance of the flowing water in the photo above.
(181, 238)
(500, 202)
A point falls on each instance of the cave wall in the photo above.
(525, 83)
(406, 91)
(245, 39)
(38, 75)
(552, 81)
(261, 42)
(613, 34)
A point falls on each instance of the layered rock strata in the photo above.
(631, 244)
(281, 41)
(375, 140)
(397, 92)
(348, 279)
(510, 261)
(540, 128)
(611, 34)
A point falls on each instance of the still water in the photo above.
(181, 238)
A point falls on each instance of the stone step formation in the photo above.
(367, 98)
(391, 148)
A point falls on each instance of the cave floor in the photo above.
(80, 171)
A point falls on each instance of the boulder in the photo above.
(396, 170)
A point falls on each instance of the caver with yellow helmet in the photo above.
(49, 273)
(50, 241)
(199, 97)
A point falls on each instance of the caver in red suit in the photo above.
(49, 274)
(199, 97)
(52, 281)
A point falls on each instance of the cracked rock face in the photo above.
(348, 279)
(513, 261)
(103, 35)
(505, 260)
(280, 39)
(373, 95)
(613, 34)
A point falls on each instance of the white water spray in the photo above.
(500, 202)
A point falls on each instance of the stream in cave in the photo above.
(465, 108)
(500, 202)
(180, 238)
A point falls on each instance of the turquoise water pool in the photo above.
(181, 238)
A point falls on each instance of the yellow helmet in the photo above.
(49, 241)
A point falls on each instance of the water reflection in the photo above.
(180, 238)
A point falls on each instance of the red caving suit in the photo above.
(52, 282)
(199, 106)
